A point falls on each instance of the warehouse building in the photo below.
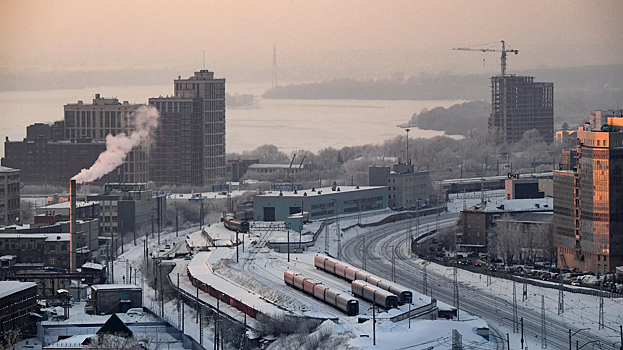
(406, 187)
(320, 203)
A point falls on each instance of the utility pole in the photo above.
(424, 279)
(561, 297)
(373, 324)
(543, 328)
(197, 300)
(238, 246)
(288, 233)
(410, 314)
(525, 290)
(364, 253)
(179, 315)
(601, 306)
(456, 292)
(326, 238)
(176, 222)
(522, 339)
(338, 231)
(393, 264)
(161, 291)
(200, 326)
(515, 323)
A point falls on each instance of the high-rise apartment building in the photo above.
(103, 117)
(520, 104)
(189, 149)
(588, 201)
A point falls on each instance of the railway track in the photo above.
(494, 310)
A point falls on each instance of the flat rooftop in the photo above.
(513, 205)
(320, 191)
(10, 287)
(115, 286)
(49, 237)
(66, 205)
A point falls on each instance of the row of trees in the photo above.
(476, 154)
(512, 240)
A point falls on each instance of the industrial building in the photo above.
(115, 298)
(130, 208)
(520, 104)
(103, 117)
(44, 243)
(479, 219)
(236, 168)
(406, 188)
(45, 158)
(588, 204)
(18, 309)
(320, 203)
(189, 147)
(277, 171)
(84, 210)
(9, 195)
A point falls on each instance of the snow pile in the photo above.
(249, 282)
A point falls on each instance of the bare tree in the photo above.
(507, 235)
(10, 338)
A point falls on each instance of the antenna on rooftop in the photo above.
(204, 59)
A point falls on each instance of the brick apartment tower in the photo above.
(588, 201)
(189, 149)
(519, 104)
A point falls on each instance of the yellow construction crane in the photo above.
(490, 49)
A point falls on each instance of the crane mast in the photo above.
(504, 51)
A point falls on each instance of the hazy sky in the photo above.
(365, 38)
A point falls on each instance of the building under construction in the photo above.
(520, 104)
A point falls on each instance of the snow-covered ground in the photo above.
(260, 270)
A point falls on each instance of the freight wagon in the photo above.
(345, 303)
(223, 296)
(335, 267)
(374, 294)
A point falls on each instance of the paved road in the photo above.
(496, 311)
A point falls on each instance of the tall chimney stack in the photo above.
(73, 240)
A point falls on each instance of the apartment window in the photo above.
(63, 248)
(52, 261)
(52, 247)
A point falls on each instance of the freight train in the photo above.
(336, 267)
(234, 224)
(222, 296)
(344, 302)
(374, 294)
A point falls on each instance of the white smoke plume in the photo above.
(118, 147)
